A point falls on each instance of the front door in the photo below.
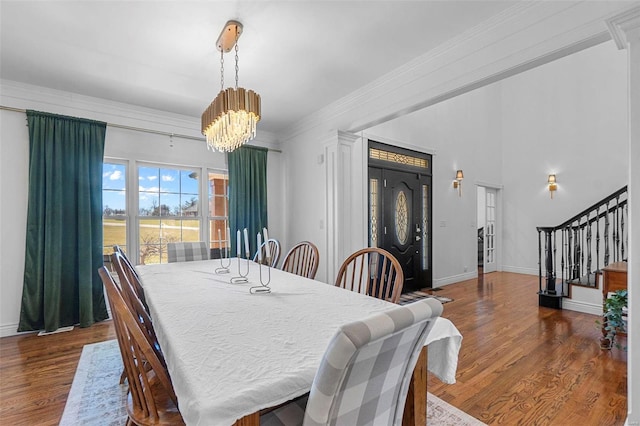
(400, 216)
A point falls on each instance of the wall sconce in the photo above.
(552, 184)
(457, 183)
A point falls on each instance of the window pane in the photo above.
(148, 179)
(189, 182)
(114, 203)
(169, 204)
(218, 233)
(114, 232)
(149, 204)
(151, 246)
(169, 180)
(113, 176)
(189, 205)
(190, 230)
(218, 187)
(155, 233)
(114, 206)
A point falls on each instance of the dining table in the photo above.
(235, 348)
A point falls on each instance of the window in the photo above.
(218, 212)
(168, 210)
(114, 206)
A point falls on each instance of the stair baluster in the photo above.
(588, 225)
(606, 236)
(598, 238)
(578, 246)
(616, 231)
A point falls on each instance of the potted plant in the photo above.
(613, 318)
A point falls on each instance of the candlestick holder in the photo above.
(224, 269)
(241, 278)
(264, 286)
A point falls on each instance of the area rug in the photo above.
(97, 398)
(417, 295)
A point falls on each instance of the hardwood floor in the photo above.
(519, 364)
(36, 373)
(524, 365)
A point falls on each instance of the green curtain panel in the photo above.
(64, 224)
(247, 194)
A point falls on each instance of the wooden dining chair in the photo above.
(372, 271)
(151, 398)
(274, 247)
(302, 260)
(187, 251)
(127, 269)
(136, 307)
(365, 372)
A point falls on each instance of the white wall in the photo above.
(120, 143)
(568, 117)
(14, 179)
(465, 133)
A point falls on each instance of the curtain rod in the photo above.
(138, 129)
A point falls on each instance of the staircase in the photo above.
(572, 254)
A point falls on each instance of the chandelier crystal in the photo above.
(230, 120)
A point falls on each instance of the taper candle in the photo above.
(266, 240)
(246, 242)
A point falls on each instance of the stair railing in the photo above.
(589, 241)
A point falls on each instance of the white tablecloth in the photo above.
(231, 353)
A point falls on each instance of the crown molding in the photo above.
(18, 95)
(623, 23)
(522, 37)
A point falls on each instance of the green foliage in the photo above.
(612, 317)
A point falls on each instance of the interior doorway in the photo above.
(487, 214)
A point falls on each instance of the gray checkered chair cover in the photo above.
(187, 251)
(365, 373)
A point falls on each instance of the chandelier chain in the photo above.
(221, 69)
(230, 120)
(237, 68)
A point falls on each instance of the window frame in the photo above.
(214, 243)
(127, 216)
(202, 236)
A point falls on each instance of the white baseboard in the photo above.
(584, 307)
(7, 330)
(439, 282)
(520, 270)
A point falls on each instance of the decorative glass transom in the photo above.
(402, 218)
(394, 157)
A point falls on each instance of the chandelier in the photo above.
(230, 121)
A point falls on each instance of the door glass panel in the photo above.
(402, 218)
(425, 227)
(373, 212)
(490, 257)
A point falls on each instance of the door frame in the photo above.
(498, 224)
(373, 163)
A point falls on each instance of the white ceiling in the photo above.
(298, 55)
